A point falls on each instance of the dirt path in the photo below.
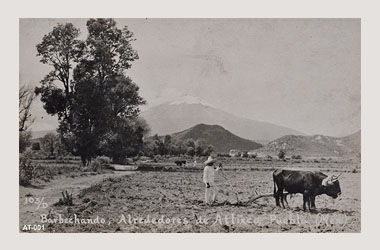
(50, 193)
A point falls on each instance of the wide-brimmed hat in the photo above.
(209, 160)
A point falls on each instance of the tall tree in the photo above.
(99, 100)
(60, 49)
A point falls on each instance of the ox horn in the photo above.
(325, 181)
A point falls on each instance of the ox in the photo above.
(310, 184)
(180, 162)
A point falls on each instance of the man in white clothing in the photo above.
(209, 180)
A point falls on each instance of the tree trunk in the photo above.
(83, 159)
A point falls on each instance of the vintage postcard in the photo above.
(148, 125)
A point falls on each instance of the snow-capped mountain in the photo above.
(188, 100)
(188, 111)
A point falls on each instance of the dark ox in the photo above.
(180, 162)
(310, 184)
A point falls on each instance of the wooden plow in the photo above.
(251, 199)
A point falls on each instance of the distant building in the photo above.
(234, 153)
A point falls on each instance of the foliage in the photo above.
(168, 146)
(281, 154)
(126, 141)
(49, 143)
(99, 163)
(36, 146)
(297, 157)
(26, 98)
(96, 104)
(24, 140)
(190, 151)
(26, 168)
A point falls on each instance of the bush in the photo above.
(99, 163)
(223, 155)
(36, 146)
(281, 155)
(24, 140)
(104, 160)
(296, 157)
(26, 168)
(190, 151)
(49, 144)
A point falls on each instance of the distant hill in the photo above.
(189, 111)
(220, 138)
(317, 145)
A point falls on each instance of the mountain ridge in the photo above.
(169, 118)
(222, 139)
(315, 145)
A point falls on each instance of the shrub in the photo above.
(281, 154)
(36, 146)
(190, 151)
(24, 140)
(49, 144)
(223, 155)
(296, 157)
(104, 160)
(26, 168)
(100, 162)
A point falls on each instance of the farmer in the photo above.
(208, 179)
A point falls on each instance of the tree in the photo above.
(36, 146)
(60, 49)
(26, 98)
(125, 142)
(159, 146)
(189, 143)
(24, 140)
(209, 150)
(49, 143)
(190, 151)
(98, 101)
(200, 147)
(168, 144)
(281, 154)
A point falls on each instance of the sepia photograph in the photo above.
(190, 125)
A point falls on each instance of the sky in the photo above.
(300, 73)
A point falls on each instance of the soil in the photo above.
(172, 201)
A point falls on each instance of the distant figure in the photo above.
(209, 180)
(195, 163)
